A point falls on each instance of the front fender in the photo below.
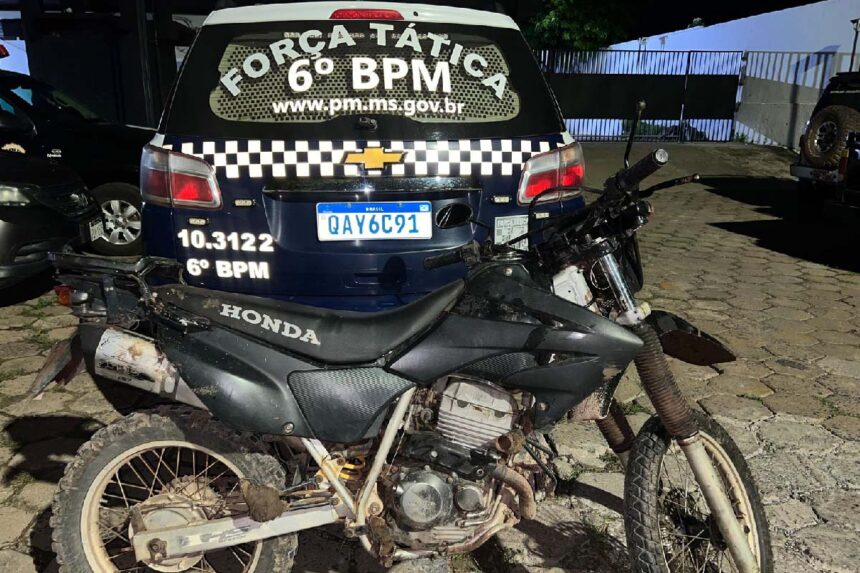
(683, 341)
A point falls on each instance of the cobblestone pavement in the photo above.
(719, 254)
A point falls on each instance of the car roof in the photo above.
(323, 10)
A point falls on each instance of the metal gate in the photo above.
(690, 95)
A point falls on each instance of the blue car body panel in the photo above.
(271, 189)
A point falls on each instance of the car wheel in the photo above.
(827, 134)
(121, 210)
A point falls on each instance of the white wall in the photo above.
(820, 27)
(17, 60)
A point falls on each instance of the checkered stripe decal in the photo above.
(324, 158)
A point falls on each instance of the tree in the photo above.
(577, 24)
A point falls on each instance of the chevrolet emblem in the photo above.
(373, 157)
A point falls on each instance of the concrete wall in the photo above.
(779, 91)
(791, 54)
(819, 27)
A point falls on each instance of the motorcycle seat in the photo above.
(329, 336)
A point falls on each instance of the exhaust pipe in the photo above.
(134, 360)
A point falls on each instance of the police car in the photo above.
(319, 151)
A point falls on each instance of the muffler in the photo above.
(133, 359)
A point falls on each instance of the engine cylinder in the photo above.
(473, 414)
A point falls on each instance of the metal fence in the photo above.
(691, 95)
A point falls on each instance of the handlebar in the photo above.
(628, 179)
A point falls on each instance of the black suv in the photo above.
(824, 145)
(44, 122)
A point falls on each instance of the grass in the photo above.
(633, 407)
(613, 464)
(11, 374)
(35, 309)
(40, 339)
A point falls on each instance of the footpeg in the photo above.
(264, 502)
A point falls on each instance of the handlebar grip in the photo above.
(628, 179)
(444, 259)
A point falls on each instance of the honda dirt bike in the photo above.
(422, 431)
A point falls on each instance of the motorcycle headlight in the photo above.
(11, 196)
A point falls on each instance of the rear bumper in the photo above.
(27, 235)
(829, 176)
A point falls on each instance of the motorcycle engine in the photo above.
(441, 494)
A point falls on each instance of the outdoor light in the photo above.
(12, 197)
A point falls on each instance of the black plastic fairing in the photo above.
(243, 383)
(504, 317)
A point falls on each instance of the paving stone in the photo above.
(58, 334)
(790, 516)
(17, 386)
(842, 351)
(793, 367)
(788, 313)
(582, 442)
(849, 405)
(841, 384)
(844, 466)
(785, 475)
(840, 366)
(791, 561)
(15, 321)
(746, 368)
(52, 322)
(797, 436)
(782, 384)
(23, 365)
(18, 349)
(798, 405)
(10, 336)
(15, 562)
(49, 402)
(739, 385)
(835, 549)
(742, 435)
(846, 427)
(37, 495)
(44, 460)
(735, 407)
(13, 522)
(611, 483)
(838, 508)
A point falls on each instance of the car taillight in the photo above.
(178, 180)
(365, 14)
(562, 169)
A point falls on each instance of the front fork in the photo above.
(673, 410)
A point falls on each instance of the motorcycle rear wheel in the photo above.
(173, 460)
(669, 527)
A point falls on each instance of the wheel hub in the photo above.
(825, 136)
(183, 502)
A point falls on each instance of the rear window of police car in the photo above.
(313, 80)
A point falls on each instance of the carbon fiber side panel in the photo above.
(498, 367)
(342, 405)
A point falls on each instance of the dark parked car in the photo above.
(41, 121)
(43, 206)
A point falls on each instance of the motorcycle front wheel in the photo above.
(176, 465)
(669, 526)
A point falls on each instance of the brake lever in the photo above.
(670, 183)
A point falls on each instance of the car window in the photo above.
(46, 101)
(319, 78)
(8, 107)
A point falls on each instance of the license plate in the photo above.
(374, 221)
(95, 229)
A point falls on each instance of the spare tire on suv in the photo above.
(827, 133)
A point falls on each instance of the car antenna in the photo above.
(640, 107)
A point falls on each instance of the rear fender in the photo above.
(683, 341)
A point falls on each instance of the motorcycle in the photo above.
(423, 431)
